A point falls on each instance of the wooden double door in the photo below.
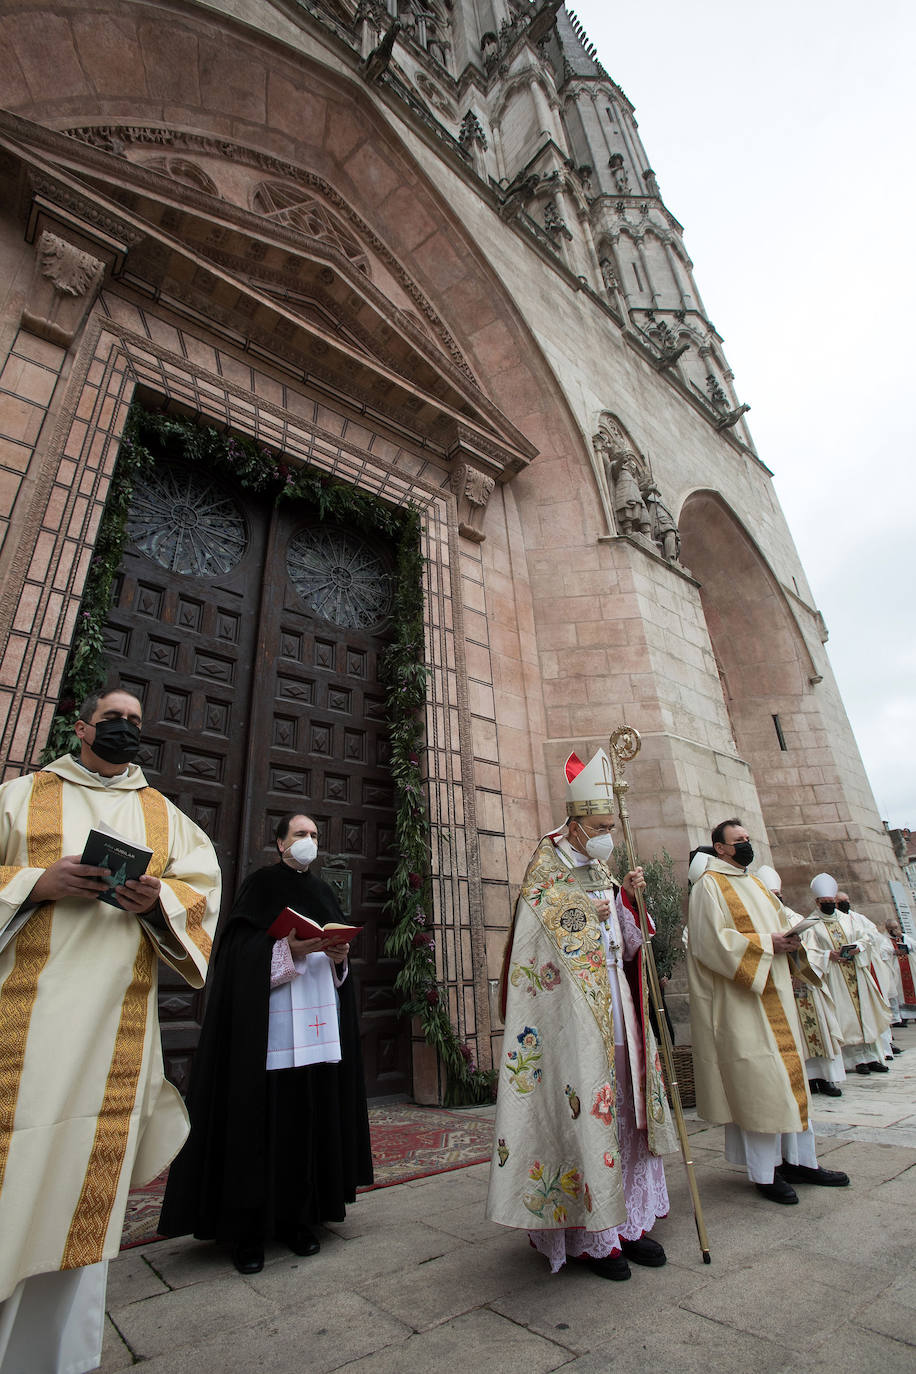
(252, 634)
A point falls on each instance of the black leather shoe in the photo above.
(614, 1267)
(645, 1251)
(248, 1258)
(825, 1178)
(895, 1049)
(830, 1089)
(777, 1191)
(863, 1068)
(877, 1068)
(303, 1241)
(814, 1085)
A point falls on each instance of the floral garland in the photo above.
(402, 671)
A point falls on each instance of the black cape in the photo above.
(267, 1151)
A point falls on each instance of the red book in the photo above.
(332, 934)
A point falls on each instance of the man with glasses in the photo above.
(581, 1115)
(748, 1055)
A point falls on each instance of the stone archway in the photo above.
(769, 681)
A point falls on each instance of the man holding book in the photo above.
(85, 1111)
(279, 1137)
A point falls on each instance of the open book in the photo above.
(806, 924)
(332, 934)
(105, 848)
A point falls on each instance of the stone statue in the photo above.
(629, 508)
(664, 530)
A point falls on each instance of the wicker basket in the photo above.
(683, 1067)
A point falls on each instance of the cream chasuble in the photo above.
(862, 1010)
(747, 1048)
(556, 1159)
(85, 1111)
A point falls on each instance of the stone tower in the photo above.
(417, 244)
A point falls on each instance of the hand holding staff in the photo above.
(624, 746)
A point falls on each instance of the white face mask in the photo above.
(600, 847)
(303, 852)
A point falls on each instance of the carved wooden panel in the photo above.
(255, 704)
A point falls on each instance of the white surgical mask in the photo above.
(600, 847)
(303, 852)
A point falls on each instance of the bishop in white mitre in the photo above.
(862, 1009)
(582, 1119)
(85, 1110)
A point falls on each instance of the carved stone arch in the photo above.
(183, 170)
(285, 203)
(523, 80)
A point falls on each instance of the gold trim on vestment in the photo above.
(772, 1006)
(44, 841)
(747, 969)
(847, 966)
(195, 906)
(89, 1226)
(156, 816)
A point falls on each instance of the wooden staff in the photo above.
(625, 745)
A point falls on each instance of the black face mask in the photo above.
(842, 906)
(116, 741)
(744, 853)
(828, 908)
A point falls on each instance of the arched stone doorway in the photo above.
(769, 681)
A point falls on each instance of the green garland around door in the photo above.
(403, 671)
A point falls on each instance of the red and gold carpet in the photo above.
(408, 1142)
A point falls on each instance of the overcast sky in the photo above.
(783, 137)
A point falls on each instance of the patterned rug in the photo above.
(408, 1142)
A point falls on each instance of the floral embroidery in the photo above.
(575, 1105)
(553, 1188)
(603, 1105)
(523, 1063)
(560, 876)
(502, 1150)
(588, 1198)
(609, 1159)
(543, 979)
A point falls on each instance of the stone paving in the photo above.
(417, 1279)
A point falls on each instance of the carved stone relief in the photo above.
(65, 282)
(635, 499)
(473, 490)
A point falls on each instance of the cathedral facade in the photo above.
(418, 246)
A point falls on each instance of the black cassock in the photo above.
(268, 1151)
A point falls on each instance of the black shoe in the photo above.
(877, 1068)
(777, 1191)
(644, 1251)
(814, 1085)
(826, 1178)
(895, 1049)
(830, 1089)
(614, 1267)
(303, 1241)
(248, 1257)
(863, 1068)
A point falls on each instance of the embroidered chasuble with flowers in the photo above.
(556, 1160)
(85, 1111)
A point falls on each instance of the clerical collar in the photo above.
(100, 777)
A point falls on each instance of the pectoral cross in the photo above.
(316, 1024)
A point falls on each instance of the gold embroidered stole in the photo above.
(156, 816)
(838, 939)
(568, 916)
(772, 1006)
(44, 842)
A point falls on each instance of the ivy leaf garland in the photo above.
(402, 669)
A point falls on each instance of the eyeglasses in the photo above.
(599, 829)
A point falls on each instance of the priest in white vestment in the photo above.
(85, 1110)
(847, 941)
(748, 1055)
(581, 1114)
